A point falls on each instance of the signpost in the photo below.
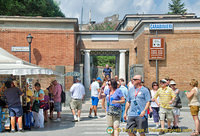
(157, 51)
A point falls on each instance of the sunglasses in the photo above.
(135, 79)
(155, 85)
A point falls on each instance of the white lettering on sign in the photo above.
(161, 26)
(156, 43)
(20, 49)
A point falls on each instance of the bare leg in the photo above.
(79, 113)
(196, 121)
(73, 112)
(169, 123)
(13, 123)
(20, 122)
(103, 103)
(58, 115)
(162, 122)
(91, 108)
(95, 110)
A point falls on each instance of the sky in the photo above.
(104, 8)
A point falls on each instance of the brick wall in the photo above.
(182, 58)
(49, 47)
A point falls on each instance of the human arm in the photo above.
(101, 94)
(126, 109)
(147, 97)
(90, 88)
(173, 97)
(111, 74)
(103, 74)
(122, 100)
(145, 109)
(190, 94)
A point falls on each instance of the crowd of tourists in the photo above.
(38, 103)
(132, 104)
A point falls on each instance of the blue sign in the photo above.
(161, 26)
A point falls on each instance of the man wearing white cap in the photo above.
(177, 104)
(77, 94)
(166, 98)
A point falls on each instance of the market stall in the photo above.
(13, 67)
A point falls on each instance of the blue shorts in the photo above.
(15, 111)
(57, 107)
(95, 101)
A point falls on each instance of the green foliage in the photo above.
(177, 7)
(44, 8)
(106, 26)
(103, 60)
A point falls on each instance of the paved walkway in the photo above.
(94, 127)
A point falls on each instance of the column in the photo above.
(122, 67)
(87, 69)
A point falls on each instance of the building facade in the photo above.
(58, 44)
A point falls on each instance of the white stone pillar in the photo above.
(87, 69)
(122, 67)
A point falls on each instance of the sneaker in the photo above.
(75, 119)
(89, 116)
(157, 126)
(57, 120)
(21, 130)
(162, 132)
(12, 131)
(96, 117)
(170, 129)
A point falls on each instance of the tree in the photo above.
(44, 8)
(177, 7)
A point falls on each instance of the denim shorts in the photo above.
(15, 111)
(57, 106)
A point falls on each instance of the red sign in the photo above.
(156, 49)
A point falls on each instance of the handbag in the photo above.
(177, 103)
(36, 106)
(113, 110)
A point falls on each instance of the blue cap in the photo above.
(98, 78)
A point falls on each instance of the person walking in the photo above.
(104, 86)
(95, 89)
(77, 94)
(194, 104)
(125, 94)
(139, 101)
(51, 101)
(166, 98)
(154, 108)
(177, 105)
(12, 95)
(38, 98)
(57, 90)
(114, 98)
(107, 72)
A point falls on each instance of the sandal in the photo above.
(195, 134)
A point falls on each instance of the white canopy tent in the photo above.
(9, 64)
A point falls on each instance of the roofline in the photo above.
(152, 15)
(164, 21)
(38, 19)
(106, 32)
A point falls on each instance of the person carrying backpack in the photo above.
(57, 90)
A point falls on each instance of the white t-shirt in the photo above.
(77, 91)
(153, 104)
(94, 89)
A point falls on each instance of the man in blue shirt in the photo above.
(138, 100)
(107, 71)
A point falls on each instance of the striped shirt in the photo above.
(165, 96)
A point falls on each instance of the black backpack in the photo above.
(63, 95)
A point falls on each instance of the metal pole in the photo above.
(156, 63)
(29, 52)
(157, 71)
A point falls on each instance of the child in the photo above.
(46, 107)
